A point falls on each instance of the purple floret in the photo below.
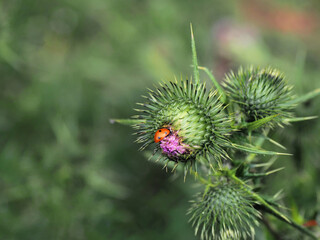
(172, 146)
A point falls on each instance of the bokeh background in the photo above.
(67, 67)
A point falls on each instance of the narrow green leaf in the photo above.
(274, 170)
(305, 97)
(276, 143)
(299, 119)
(194, 58)
(265, 165)
(215, 83)
(264, 174)
(277, 196)
(127, 121)
(254, 149)
(262, 136)
(258, 123)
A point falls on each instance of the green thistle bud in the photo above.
(194, 116)
(260, 93)
(224, 212)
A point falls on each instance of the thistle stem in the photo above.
(270, 208)
(216, 84)
(194, 58)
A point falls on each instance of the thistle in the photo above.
(260, 93)
(224, 211)
(194, 116)
(184, 122)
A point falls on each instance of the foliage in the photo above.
(187, 113)
(67, 67)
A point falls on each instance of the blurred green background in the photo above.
(67, 67)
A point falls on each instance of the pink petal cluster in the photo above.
(172, 146)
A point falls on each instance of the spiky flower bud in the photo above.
(260, 93)
(224, 212)
(194, 117)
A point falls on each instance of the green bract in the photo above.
(190, 111)
(260, 93)
(224, 212)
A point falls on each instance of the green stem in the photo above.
(270, 208)
(216, 84)
(305, 97)
(194, 58)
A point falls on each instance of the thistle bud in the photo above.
(194, 117)
(260, 93)
(224, 212)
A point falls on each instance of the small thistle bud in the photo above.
(194, 117)
(260, 93)
(224, 212)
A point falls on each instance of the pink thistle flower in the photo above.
(173, 147)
